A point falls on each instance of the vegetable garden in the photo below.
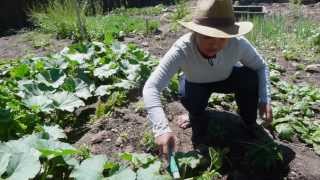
(78, 113)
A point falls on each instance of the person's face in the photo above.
(210, 46)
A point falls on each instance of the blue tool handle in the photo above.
(173, 165)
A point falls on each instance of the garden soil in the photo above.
(125, 129)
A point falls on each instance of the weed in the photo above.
(145, 11)
(61, 19)
(100, 110)
(148, 141)
(180, 13)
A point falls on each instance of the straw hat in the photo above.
(215, 18)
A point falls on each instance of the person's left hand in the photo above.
(265, 111)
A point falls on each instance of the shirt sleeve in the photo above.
(158, 80)
(250, 57)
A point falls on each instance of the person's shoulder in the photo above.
(184, 41)
(240, 42)
(239, 39)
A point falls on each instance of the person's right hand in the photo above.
(165, 141)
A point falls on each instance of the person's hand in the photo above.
(265, 111)
(165, 141)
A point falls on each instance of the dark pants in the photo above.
(243, 82)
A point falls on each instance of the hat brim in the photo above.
(238, 29)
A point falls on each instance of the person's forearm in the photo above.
(159, 121)
(264, 85)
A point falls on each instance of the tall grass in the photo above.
(145, 11)
(60, 17)
(292, 36)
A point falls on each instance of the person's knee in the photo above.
(249, 80)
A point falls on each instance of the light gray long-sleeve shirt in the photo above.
(184, 56)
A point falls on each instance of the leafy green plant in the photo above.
(58, 17)
(264, 156)
(145, 11)
(50, 89)
(62, 18)
(180, 13)
(148, 141)
(216, 162)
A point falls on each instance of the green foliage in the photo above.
(148, 141)
(100, 110)
(292, 37)
(145, 11)
(60, 17)
(216, 160)
(180, 13)
(118, 25)
(15, 119)
(23, 158)
(50, 89)
(181, 10)
(264, 156)
(292, 110)
(90, 168)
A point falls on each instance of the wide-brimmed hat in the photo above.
(215, 18)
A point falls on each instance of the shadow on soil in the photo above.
(250, 155)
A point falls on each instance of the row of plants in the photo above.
(44, 155)
(67, 19)
(49, 89)
(297, 39)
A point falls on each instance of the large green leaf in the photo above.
(31, 88)
(190, 159)
(126, 174)
(285, 131)
(138, 160)
(125, 84)
(51, 77)
(316, 136)
(131, 70)
(78, 86)
(66, 101)
(106, 71)
(5, 116)
(55, 132)
(52, 148)
(56, 61)
(79, 56)
(42, 102)
(316, 148)
(152, 172)
(4, 161)
(20, 71)
(119, 48)
(90, 168)
(23, 166)
(103, 90)
(24, 160)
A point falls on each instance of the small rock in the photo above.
(129, 148)
(97, 138)
(316, 107)
(119, 141)
(114, 130)
(298, 75)
(165, 18)
(108, 140)
(145, 44)
(313, 68)
(157, 37)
